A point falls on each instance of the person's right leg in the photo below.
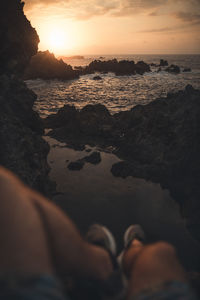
(38, 238)
(151, 266)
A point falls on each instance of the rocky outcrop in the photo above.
(18, 39)
(163, 63)
(123, 67)
(44, 65)
(93, 121)
(187, 70)
(173, 69)
(159, 142)
(23, 150)
(97, 78)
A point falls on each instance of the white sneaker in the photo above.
(101, 236)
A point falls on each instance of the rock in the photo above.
(158, 141)
(187, 70)
(92, 120)
(23, 150)
(97, 78)
(94, 158)
(163, 63)
(76, 165)
(173, 69)
(153, 65)
(123, 67)
(142, 67)
(19, 41)
(44, 65)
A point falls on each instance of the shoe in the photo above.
(133, 232)
(101, 236)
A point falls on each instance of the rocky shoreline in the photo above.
(158, 142)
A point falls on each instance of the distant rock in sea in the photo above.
(72, 57)
(97, 78)
(163, 63)
(173, 69)
(120, 68)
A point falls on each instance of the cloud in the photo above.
(133, 7)
(188, 17)
(86, 9)
(89, 8)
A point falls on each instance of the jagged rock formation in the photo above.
(18, 40)
(44, 65)
(159, 142)
(23, 150)
(123, 67)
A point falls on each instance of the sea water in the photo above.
(117, 93)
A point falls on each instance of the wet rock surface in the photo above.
(76, 165)
(159, 142)
(94, 158)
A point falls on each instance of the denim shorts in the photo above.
(41, 287)
(173, 290)
(45, 287)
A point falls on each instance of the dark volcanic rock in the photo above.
(92, 120)
(94, 158)
(173, 69)
(187, 70)
(159, 142)
(76, 165)
(18, 39)
(123, 67)
(44, 65)
(163, 63)
(97, 78)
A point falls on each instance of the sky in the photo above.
(78, 27)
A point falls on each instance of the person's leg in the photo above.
(36, 237)
(150, 266)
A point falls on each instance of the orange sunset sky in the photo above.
(70, 27)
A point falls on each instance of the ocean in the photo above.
(117, 93)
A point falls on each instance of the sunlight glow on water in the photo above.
(116, 92)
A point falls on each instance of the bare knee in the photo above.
(162, 249)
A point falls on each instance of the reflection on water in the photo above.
(94, 195)
(116, 92)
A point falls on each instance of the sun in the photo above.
(57, 40)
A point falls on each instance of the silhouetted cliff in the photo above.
(18, 39)
(22, 150)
